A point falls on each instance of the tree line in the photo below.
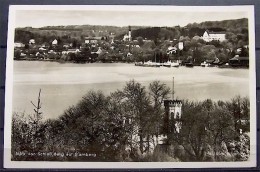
(127, 126)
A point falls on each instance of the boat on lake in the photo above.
(157, 64)
(226, 65)
(151, 64)
(167, 64)
(189, 64)
(175, 64)
(139, 63)
(148, 63)
(204, 64)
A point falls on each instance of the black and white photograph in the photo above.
(130, 87)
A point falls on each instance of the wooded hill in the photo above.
(194, 29)
(78, 32)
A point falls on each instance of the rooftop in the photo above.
(239, 58)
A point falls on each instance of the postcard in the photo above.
(113, 86)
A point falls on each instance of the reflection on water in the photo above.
(64, 84)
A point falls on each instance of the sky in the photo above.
(40, 18)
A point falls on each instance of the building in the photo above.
(173, 112)
(74, 51)
(99, 51)
(128, 37)
(19, 45)
(92, 40)
(180, 45)
(171, 50)
(67, 45)
(129, 33)
(31, 41)
(54, 42)
(213, 36)
(239, 61)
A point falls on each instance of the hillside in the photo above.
(191, 30)
(78, 32)
(229, 25)
(68, 33)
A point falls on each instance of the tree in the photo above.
(74, 43)
(193, 136)
(27, 132)
(137, 98)
(119, 131)
(137, 53)
(244, 52)
(124, 125)
(221, 129)
(208, 52)
(239, 108)
(85, 125)
(158, 92)
(240, 148)
(35, 121)
(222, 57)
(21, 138)
(231, 37)
(207, 130)
(140, 40)
(149, 45)
(17, 54)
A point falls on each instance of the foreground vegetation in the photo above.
(125, 126)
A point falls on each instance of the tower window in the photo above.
(177, 115)
(172, 115)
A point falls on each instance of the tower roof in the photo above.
(167, 102)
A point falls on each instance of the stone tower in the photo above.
(173, 113)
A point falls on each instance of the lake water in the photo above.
(63, 85)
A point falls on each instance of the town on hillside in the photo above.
(206, 44)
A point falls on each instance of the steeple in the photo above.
(129, 33)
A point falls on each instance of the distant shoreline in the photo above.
(62, 61)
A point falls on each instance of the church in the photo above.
(128, 37)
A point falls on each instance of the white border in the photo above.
(43, 164)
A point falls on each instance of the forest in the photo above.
(126, 125)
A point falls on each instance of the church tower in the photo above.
(129, 34)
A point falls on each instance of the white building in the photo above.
(180, 45)
(171, 50)
(128, 37)
(31, 41)
(54, 42)
(213, 36)
(92, 40)
(74, 51)
(19, 45)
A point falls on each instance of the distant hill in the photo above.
(190, 30)
(229, 25)
(78, 32)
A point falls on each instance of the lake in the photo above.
(63, 85)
